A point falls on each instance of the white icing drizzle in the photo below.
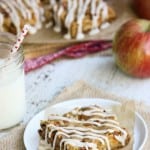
(72, 5)
(38, 13)
(75, 142)
(19, 7)
(97, 8)
(75, 10)
(103, 120)
(55, 138)
(55, 7)
(58, 22)
(81, 14)
(52, 2)
(96, 11)
(104, 8)
(1, 21)
(27, 11)
(78, 130)
(105, 124)
(22, 9)
(95, 15)
(49, 24)
(100, 114)
(105, 25)
(8, 6)
(74, 131)
(94, 111)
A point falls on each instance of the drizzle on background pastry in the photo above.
(74, 18)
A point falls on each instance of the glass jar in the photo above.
(12, 85)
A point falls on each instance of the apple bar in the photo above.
(87, 128)
(14, 15)
(78, 17)
(47, 16)
(73, 18)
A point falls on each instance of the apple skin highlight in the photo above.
(131, 48)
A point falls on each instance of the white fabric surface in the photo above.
(45, 83)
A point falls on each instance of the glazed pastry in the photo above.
(86, 128)
(47, 15)
(78, 17)
(74, 18)
(14, 14)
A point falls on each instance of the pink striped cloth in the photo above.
(75, 51)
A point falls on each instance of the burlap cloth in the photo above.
(14, 141)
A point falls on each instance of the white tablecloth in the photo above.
(43, 84)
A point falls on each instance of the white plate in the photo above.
(31, 137)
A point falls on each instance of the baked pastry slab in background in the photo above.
(74, 20)
(73, 17)
(123, 13)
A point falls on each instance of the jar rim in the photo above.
(8, 35)
(11, 57)
(8, 40)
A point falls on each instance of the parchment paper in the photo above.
(126, 117)
(123, 11)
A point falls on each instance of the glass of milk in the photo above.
(12, 86)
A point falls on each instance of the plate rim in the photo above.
(99, 99)
(146, 130)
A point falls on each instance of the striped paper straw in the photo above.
(20, 38)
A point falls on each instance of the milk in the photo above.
(12, 93)
(12, 102)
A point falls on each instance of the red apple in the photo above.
(131, 47)
(142, 7)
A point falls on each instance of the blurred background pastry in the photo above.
(15, 14)
(78, 17)
(73, 18)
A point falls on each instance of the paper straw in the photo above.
(20, 38)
